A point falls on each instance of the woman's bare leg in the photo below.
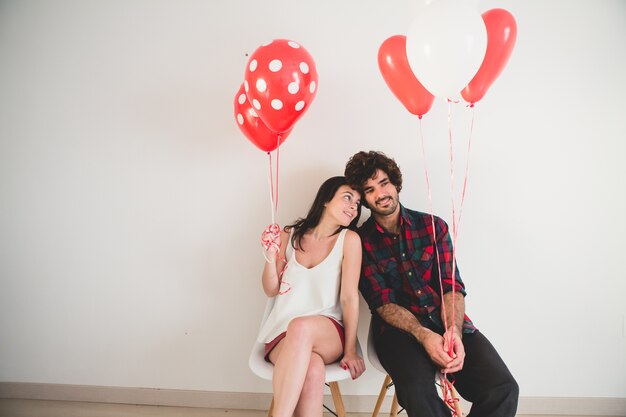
(312, 395)
(292, 359)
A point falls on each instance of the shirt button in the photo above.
(410, 273)
(404, 255)
(419, 292)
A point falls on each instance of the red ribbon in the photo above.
(270, 240)
(448, 395)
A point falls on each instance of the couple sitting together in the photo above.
(394, 259)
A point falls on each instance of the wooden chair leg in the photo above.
(381, 396)
(394, 406)
(271, 410)
(457, 403)
(337, 399)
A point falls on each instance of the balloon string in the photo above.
(270, 179)
(271, 184)
(469, 147)
(446, 385)
(277, 169)
(454, 230)
(271, 235)
(274, 189)
(432, 219)
(456, 224)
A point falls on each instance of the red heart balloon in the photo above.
(394, 66)
(253, 127)
(280, 83)
(501, 37)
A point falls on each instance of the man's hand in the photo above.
(434, 346)
(453, 337)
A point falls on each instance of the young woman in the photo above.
(314, 277)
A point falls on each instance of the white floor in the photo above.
(36, 408)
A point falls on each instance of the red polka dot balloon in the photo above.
(280, 83)
(253, 127)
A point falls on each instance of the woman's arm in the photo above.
(349, 297)
(270, 277)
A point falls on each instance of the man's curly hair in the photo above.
(363, 165)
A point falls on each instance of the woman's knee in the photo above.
(300, 328)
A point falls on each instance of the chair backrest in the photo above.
(256, 361)
(264, 369)
(371, 351)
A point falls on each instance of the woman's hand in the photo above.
(354, 363)
(270, 241)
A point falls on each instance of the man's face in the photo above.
(380, 194)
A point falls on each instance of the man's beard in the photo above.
(393, 205)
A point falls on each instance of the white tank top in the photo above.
(314, 291)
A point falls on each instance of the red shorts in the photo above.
(271, 345)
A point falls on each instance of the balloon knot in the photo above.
(270, 238)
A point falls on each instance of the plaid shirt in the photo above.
(402, 269)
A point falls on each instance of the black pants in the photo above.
(484, 380)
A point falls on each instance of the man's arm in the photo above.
(451, 280)
(459, 311)
(401, 318)
(453, 336)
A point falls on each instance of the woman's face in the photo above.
(343, 207)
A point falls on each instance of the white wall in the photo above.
(131, 206)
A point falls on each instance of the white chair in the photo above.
(334, 371)
(388, 383)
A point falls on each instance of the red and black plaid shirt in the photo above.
(402, 269)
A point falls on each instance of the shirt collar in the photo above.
(404, 218)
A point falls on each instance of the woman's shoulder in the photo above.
(352, 246)
(352, 238)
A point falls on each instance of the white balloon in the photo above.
(416, 6)
(445, 46)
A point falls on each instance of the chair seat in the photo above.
(264, 369)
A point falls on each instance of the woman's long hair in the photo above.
(326, 193)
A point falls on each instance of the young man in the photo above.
(400, 281)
